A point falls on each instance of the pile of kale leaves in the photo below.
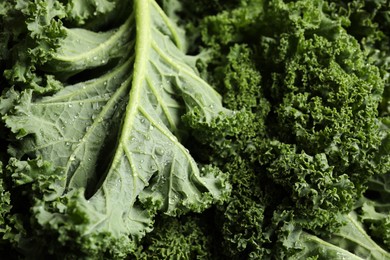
(180, 129)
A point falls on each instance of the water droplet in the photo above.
(95, 58)
(151, 127)
(95, 13)
(103, 61)
(143, 120)
(142, 161)
(70, 105)
(159, 151)
(211, 106)
(198, 96)
(67, 143)
(105, 83)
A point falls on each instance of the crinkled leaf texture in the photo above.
(113, 139)
(350, 242)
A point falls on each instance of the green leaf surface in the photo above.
(353, 236)
(116, 137)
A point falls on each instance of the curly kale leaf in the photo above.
(31, 32)
(5, 202)
(184, 238)
(309, 127)
(101, 156)
(374, 209)
(368, 22)
(351, 241)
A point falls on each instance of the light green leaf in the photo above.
(116, 137)
(353, 236)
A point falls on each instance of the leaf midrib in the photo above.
(142, 47)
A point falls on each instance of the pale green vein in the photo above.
(366, 237)
(170, 26)
(142, 53)
(104, 45)
(84, 87)
(133, 171)
(97, 121)
(162, 104)
(95, 99)
(173, 139)
(157, 125)
(170, 187)
(181, 67)
(342, 252)
(47, 144)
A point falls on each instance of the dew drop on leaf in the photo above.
(159, 151)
